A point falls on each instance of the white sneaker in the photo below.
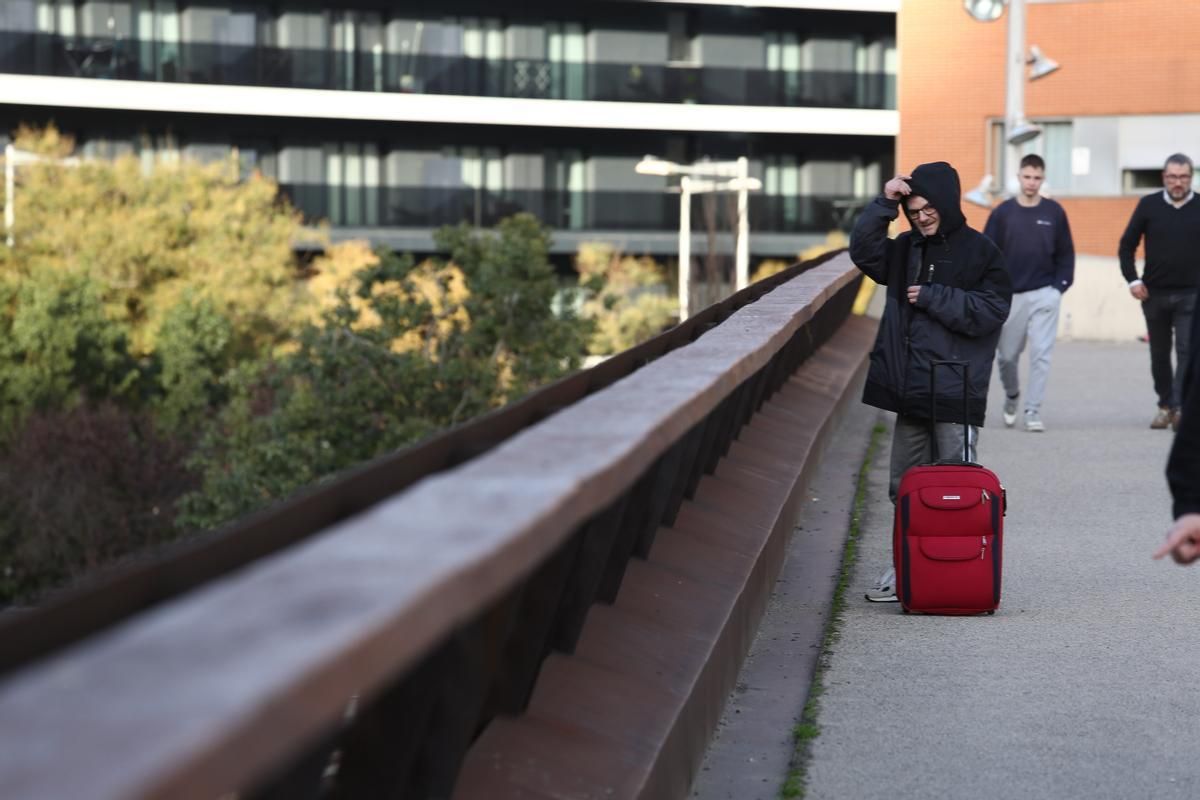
(1033, 423)
(884, 590)
(1010, 410)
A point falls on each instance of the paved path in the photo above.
(1085, 683)
(749, 756)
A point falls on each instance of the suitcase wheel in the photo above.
(991, 613)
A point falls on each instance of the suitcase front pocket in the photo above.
(952, 498)
(953, 548)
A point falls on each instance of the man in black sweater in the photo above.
(1169, 221)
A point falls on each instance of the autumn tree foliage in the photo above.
(168, 362)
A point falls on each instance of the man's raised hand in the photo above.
(897, 187)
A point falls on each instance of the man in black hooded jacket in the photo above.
(947, 296)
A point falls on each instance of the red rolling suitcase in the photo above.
(949, 530)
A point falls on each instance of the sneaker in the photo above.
(1175, 415)
(1010, 410)
(887, 595)
(884, 590)
(1162, 419)
(1033, 423)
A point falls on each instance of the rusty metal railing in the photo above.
(130, 588)
(367, 632)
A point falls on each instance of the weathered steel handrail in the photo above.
(135, 586)
(362, 661)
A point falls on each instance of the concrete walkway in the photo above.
(1086, 683)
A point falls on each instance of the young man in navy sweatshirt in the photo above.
(1169, 224)
(1033, 233)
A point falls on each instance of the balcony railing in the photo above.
(424, 207)
(257, 65)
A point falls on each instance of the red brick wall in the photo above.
(1117, 57)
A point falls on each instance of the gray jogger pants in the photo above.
(1033, 317)
(911, 446)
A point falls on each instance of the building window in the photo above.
(156, 29)
(781, 186)
(783, 65)
(352, 178)
(680, 39)
(18, 15)
(566, 50)
(1137, 181)
(357, 46)
(306, 37)
(1054, 146)
(566, 183)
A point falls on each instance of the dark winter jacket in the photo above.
(1183, 466)
(963, 303)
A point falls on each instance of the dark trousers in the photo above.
(1169, 312)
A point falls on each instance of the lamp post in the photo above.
(685, 247)
(742, 258)
(1018, 129)
(739, 181)
(14, 158)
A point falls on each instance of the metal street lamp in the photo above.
(1040, 65)
(984, 193)
(984, 10)
(740, 182)
(1018, 129)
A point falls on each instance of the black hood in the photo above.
(938, 183)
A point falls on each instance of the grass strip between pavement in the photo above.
(807, 729)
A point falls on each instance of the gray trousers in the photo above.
(1033, 318)
(911, 445)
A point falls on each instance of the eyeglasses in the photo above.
(1177, 178)
(927, 210)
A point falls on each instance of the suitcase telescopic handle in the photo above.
(933, 365)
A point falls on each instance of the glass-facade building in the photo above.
(390, 119)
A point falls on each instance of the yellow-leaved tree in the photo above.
(834, 240)
(627, 297)
(147, 235)
(441, 289)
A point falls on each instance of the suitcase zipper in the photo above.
(986, 496)
(983, 548)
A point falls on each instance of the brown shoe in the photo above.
(1175, 415)
(1162, 420)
